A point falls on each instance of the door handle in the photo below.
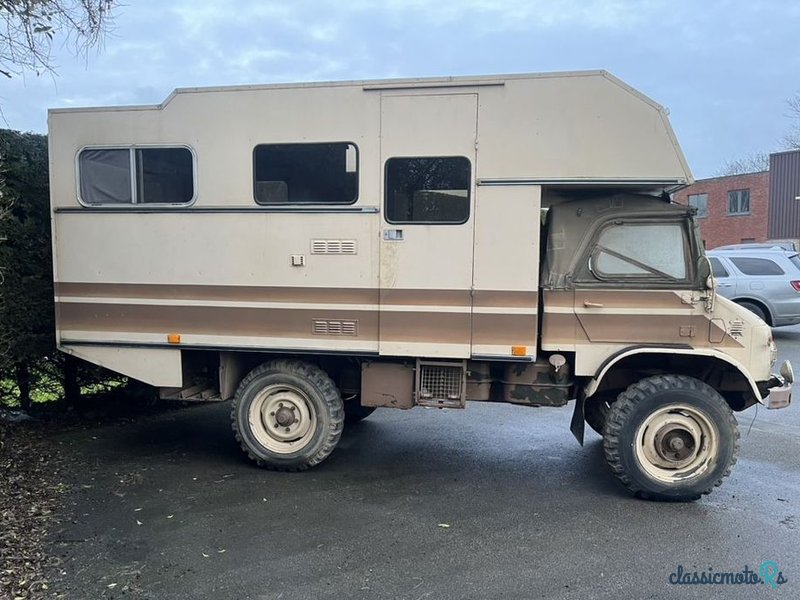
(588, 304)
(724, 285)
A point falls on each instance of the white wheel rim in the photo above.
(676, 443)
(282, 418)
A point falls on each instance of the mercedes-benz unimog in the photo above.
(316, 251)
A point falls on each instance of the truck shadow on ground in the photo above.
(444, 448)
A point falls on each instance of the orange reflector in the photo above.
(519, 350)
(174, 338)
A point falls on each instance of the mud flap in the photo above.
(578, 423)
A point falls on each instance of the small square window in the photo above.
(434, 190)
(739, 202)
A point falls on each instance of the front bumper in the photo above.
(779, 392)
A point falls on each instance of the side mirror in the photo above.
(704, 272)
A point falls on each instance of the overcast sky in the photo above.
(723, 68)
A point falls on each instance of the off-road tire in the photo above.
(640, 401)
(595, 412)
(355, 413)
(318, 389)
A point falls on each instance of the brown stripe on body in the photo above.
(427, 327)
(631, 298)
(619, 298)
(210, 320)
(650, 328)
(510, 330)
(243, 293)
(233, 293)
(486, 298)
(558, 299)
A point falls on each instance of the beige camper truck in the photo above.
(316, 251)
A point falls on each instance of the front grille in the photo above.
(736, 328)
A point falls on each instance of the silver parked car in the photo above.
(764, 280)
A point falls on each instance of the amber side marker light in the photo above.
(174, 338)
(519, 351)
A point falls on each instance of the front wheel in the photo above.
(670, 437)
(287, 415)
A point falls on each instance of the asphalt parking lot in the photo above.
(493, 501)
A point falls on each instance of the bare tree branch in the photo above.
(792, 139)
(752, 163)
(28, 29)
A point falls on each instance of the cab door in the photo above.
(637, 286)
(426, 246)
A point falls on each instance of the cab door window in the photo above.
(641, 252)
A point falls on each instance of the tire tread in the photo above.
(621, 410)
(318, 378)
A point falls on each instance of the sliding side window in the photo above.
(433, 190)
(136, 176)
(324, 173)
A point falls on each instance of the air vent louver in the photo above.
(334, 247)
(337, 327)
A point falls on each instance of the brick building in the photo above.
(754, 207)
(730, 210)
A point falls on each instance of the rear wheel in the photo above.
(287, 415)
(670, 437)
(756, 310)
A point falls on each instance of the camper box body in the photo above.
(218, 270)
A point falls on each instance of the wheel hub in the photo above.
(675, 445)
(283, 418)
(676, 442)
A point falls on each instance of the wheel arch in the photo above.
(722, 372)
(758, 302)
